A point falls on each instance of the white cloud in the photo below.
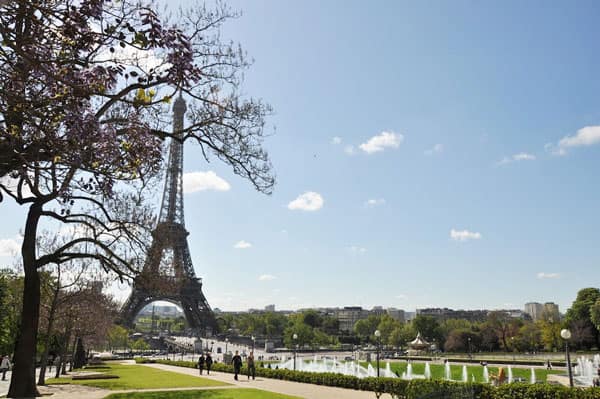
(357, 250)
(464, 235)
(522, 156)
(242, 245)
(309, 201)
(543, 275)
(435, 149)
(401, 296)
(336, 140)
(266, 277)
(201, 181)
(382, 141)
(349, 150)
(374, 202)
(586, 136)
(9, 247)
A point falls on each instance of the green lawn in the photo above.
(437, 371)
(140, 377)
(209, 394)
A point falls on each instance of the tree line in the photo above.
(498, 332)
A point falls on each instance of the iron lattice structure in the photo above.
(168, 272)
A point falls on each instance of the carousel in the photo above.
(418, 346)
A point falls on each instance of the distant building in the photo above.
(161, 310)
(396, 314)
(534, 309)
(445, 314)
(551, 312)
(435, 312)
(408, 316)
(378, 310)
(270, 308)
(349, 315)
(514, 313)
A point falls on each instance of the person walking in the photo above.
(208, 361)
(201, 363)
(4, 366)
(251, 367)
(236, 360)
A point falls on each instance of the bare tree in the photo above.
(85, 87)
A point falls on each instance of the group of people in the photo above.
(236, 360)
(206, 361)
(4, 366)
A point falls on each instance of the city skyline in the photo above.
(431, 158)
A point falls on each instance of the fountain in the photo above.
(510, 375)
(486, 374)
(427, 371)
(465, 376)
(532, 379)
(584, 371)
(332, 365)
(447, 373)
(409, 373)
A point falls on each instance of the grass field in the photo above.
(208, 394)
(437, 371)
(139, 377)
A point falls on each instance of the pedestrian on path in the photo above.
(251, 367)
(208, 362)
(201, 363)
(236, 360)
(4, 366)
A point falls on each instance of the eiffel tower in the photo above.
(168, 273)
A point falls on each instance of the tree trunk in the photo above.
(44, 360)
(73, 353)
(61, 367)
(22, 383)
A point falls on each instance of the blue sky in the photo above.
(484, 119)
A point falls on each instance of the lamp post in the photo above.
(378, 336)
(226, 342)
(566, 335)
(212, 343)
(295, 338)
(253, 340)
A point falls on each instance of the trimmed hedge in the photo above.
(413, 389)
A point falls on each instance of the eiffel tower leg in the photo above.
(135, 303)
(202, 322)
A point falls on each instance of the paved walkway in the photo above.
(302, 390)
